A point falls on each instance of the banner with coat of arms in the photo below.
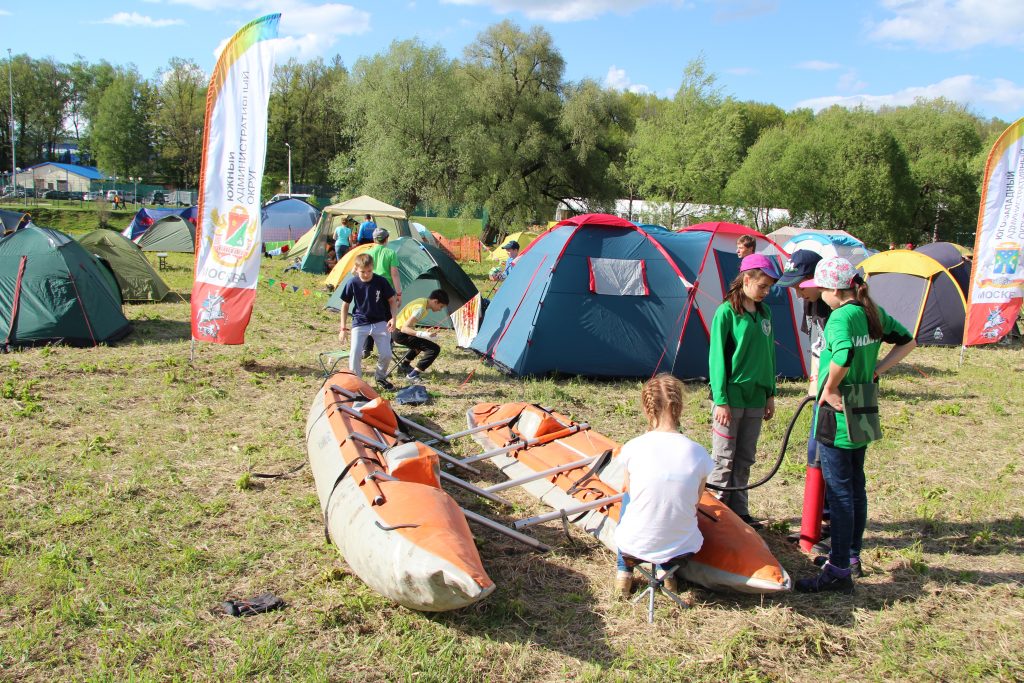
(228, 236)
(997, 280)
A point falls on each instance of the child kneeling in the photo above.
(665, 476)
(419, 341)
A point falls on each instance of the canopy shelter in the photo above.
(523, 238)
(145, 218)
(386, 216)
(53, 291)
(786, 233)
(423, 268)
(172, 233)
(287, 219)
(597, 295)
(12, 220)
(920, 292)
(133, 272)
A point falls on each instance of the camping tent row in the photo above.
(924, 289)
(422, 268)
(134, 274)
(287, 219)
(597, 295)
(53, 291)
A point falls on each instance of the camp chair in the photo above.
(656, 584)
(329, 361)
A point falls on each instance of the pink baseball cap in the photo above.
(762, 263)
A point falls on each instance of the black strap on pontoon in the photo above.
(598, 465)
(397, 526)
(327, 503)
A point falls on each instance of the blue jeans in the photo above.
(620, 562)
(843, 469)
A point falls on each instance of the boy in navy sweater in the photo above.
(374, 307)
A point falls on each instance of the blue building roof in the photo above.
(87, 171)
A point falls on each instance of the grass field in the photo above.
(129, 513)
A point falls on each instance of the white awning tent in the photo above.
(392, 218)
(362, 205)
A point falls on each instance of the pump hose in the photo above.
(778, 462)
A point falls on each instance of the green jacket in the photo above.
(741, 361)
(848, 344)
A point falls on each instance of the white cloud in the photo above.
(4, 13)
(616, 79)
(135, 19)
(849, 82)
(998, 95)
(952, 24)
(817, 65)
(558, 10)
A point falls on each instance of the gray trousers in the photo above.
(381, 339)
(734, 450)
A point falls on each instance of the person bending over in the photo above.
(418, 341)
(374, 308)
(665, 476)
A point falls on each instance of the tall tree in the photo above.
(177, 121)
(940, 139)
(120, 131)
(305, 112)
(513, 85)
(411, 111)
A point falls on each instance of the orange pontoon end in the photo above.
(385, 509)
(733, 556)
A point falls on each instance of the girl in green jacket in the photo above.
(742, 371)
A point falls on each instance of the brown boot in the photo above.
(623, 584)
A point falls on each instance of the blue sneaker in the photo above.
(831, 579)
(856, 570)
(413, 376)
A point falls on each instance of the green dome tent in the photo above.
(135, 276)
(171, 233)
(12, 220)
(53, 290)
(422, 269)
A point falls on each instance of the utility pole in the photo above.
(289, 169)
(10, 87)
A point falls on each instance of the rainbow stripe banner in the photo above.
(228, 231)
(997, 281)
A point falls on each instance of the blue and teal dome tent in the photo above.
(596, 295)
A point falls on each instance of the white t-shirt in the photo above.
(665, 471)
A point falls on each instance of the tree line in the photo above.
(502, 128)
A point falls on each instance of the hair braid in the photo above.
(662, 399)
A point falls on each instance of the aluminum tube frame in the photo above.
(521, 444)
(504, 530)
(541, 475)
(479, 428)
(473, 488)
(540, 519)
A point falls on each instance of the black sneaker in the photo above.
(831, 579)
(753, 522)
(404, 368)
(385, 385)
(856, 570)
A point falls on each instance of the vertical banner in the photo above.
(997, 281)
(466, 322)
(234, 148)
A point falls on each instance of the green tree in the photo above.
(177, 121)
(760, 184)
(686, 152)
(120, 131)
(306, 111)
(410, 111)
(941, 140)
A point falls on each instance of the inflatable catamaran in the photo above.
(384, 507)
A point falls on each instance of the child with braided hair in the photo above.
(665, 475)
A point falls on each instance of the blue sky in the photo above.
(792, 53)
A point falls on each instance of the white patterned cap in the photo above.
(834, 273)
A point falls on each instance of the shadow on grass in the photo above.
(537, 601)
(159, 331)
(283, 370)
(936, 536)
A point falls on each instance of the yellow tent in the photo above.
(344, 267)
(523, 238)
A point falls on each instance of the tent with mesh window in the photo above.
(598, 296)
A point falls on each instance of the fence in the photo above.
(465, 248)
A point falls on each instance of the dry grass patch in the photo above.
(130, 511)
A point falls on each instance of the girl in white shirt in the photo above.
(665, 476)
